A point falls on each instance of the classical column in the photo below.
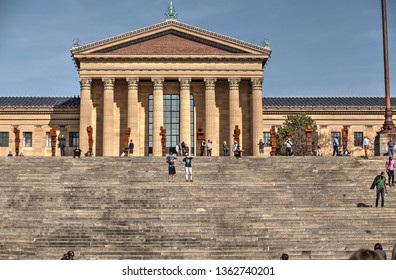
(257, 114)
(185, 133)
(133, 113)
(158, 114)
(108, 119)
(85, 112)
(234, 110)
(210, 109)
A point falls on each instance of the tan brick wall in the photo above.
(360, 121)
(169, 44)
(38, 122)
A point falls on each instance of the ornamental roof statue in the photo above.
(170, 13)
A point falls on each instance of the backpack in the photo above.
(375, 182)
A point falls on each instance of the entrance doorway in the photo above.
(171, 122)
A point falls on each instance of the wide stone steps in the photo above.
(253, 208)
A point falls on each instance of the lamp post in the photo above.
(388, 126)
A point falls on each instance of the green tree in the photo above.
(294, 129)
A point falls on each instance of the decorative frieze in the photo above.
(210, 83)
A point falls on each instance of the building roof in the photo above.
(72, 102)
(326, 102)
(54, 102)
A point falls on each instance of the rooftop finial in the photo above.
(170, 13)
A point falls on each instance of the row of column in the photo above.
(211, 125)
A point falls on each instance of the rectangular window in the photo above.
(73, 139)
(27, 139)
(4, 139)
(47, 139)
(358, 139)
(267, 138)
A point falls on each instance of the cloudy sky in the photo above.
(320, 47)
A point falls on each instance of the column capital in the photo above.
(185, 83)
(210, 83)
(108, 83)
(158, 83)
(85, 83)
(257, 83)
(132, 83)
(234, 83)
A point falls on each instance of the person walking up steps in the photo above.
(390, 169)
(366, 145)
(187, 163)
(391, 147)
(381, 190)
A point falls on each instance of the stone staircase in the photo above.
(252, 208)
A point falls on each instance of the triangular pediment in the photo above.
(170, 42)
(170, 38)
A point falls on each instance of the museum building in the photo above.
(168, 83)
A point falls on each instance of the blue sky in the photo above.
(320, 47)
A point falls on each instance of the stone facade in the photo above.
(118, 75)
(365, 121)
(35, 123)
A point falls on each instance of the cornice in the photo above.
(97, 57)
(282, 111)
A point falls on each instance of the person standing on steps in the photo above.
(171, 167)
(366, 145)
(318, 150)
(62, 144)
(225, 148)
(390, 169)
(209, 148)
(261, 147)
(381, 190)
(187, 163)
(234, 147)
(203, 145)
(131, 147)
(391, 147)
(336, 143)
(288, 144)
